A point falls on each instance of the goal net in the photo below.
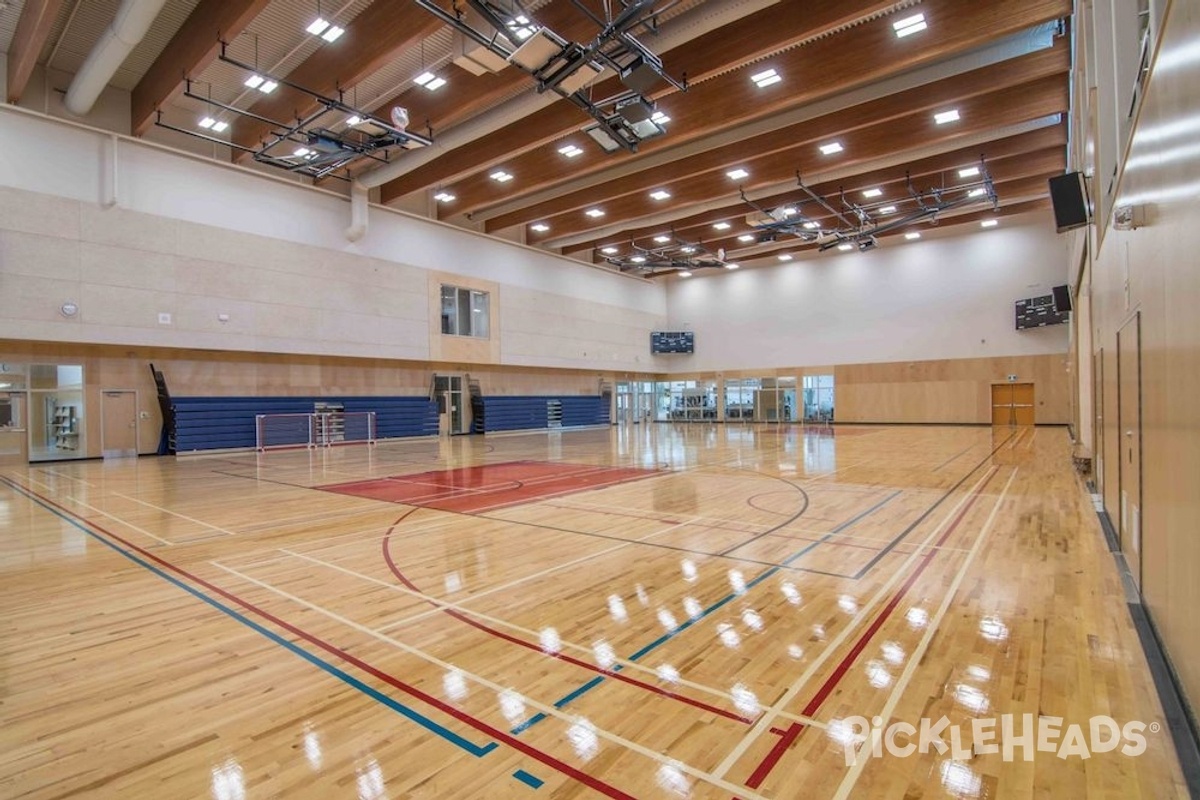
(313, 430)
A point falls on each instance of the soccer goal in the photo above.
(313, 430)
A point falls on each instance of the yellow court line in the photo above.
(584, 649)
(851, 778)
(548, 710)
(763, 724)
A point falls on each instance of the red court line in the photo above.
(478, 724)
(463, 617)
(795, 729)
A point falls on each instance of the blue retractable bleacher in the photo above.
(530, 412)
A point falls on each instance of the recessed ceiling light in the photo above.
(785, 257)
(220, 125)
(688, 249)
(732, 266)
(977, 192)
(301, 152)
(746, 237)
(872, 192)
(594, 213)
(912, 235)
(812, 226)
(443, 197)
(333, 34)
(429, 81)
(685, 274)
(766, 78)
(660, 194)
(660, 118)
(831, 148)
(989, 223)
(354, 120)
(722, 226)
(737, 174)
(608, 251)
(317, 26)
(788, 211)
(570, 150)
(969, 172)
(942, 117)
(845, 246)
(254, 81)
(500, 176)
(268, 86)
(435, 84)
(888, 210)
(207, 122)
(909, 25)
(662, 239)
(540, 227)
(638, 259)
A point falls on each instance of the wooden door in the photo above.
(1022, 402)
(118, 425)
(1129, 433)
(1002, 404)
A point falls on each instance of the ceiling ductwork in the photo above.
(129, 26)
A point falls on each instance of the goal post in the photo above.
(324, 429)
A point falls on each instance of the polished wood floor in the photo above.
(709, 623)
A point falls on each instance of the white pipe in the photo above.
(128, 28)
(358, 212)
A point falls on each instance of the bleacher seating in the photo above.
(514, 413)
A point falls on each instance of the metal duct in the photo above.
(128, 28)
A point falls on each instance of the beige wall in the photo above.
(1154, 272)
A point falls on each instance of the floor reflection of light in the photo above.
(979, 673)
(796, 651)
(791, 592)
(454, 684)
(672, 779)
(582, 736)
(843, 732)
(818, 632)
(312, 746)
(729, 636)
(960, 780)
(551, 642)
(878, 675)
(370, 782)
(752, 619)
(512, 705)
(738, 581)
(744, 699)
(605, 655)
(972, 699)
(453, 582)
(667, 673)
(689, 570)
(992, 629)
(893, 653)
(847, 603)
(917, 617)
(692, 606)
(667, 619)
(616, 608)
(227, 781)
(642, 597)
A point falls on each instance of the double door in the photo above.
(1012, 404)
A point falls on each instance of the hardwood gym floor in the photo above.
(652, 611)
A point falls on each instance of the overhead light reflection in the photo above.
(960, 780)
(370, 782)
(671, 778)
(512, 706)
(917, 617)
(551, 642)
(729, 637)
(744, 699)
(692, 606)
(753, 620)
(689, 570)
(616, 608)
(312, 746)
(454, 684)
(992, 629)
(878, 675)
(667, 619)
(228, 782)
(667, 673)
(893, 653)
(582, 736)
(605, 655)
(737, 581)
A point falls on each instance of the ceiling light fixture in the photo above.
(737, 174)
(608, 251)
(766, 78)
(969, 172)
(540, 227)
(594, 213)
(912, 235)
(909, 25)
(443, 197)
(220, 125)
(685, 274)
(746, 237)
(978, 192)
(845, 246)
(888, 210)
(785, 257)
(430, 81)
(662, 239)
(872, 192)
(722, 226)
(660, 194)
(732, 266)
(660, 118)
(207, 122)
(689, 249)
(942, 117)
(812, 226)
(570, 150)
(333, 34)
(989, 223)
(317, 26)
(831, 148)
(638, 259)
(500, 176)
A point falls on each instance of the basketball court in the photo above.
(603, 613)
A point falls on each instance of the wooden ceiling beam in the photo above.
(372, 39)
(193, 47)
(33, 28)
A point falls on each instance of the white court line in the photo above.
(547, 710)
(442, 605)
(175, 514)
(763, 724)
(914, 661)
(130, 525)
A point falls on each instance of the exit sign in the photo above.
(1012, 378)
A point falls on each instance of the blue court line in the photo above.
(529, 780)
(400, 708)
(678, 629)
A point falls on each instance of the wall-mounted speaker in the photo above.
(1062, 299)
(1068, 195)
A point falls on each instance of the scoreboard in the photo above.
(672, 342)
(1036, 312)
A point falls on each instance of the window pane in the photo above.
(464, 313)
(480, 325)
(448, 315)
